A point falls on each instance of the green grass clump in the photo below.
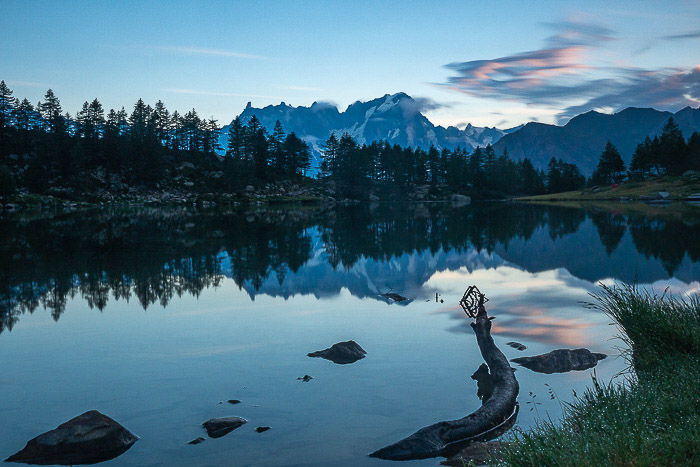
(650, 420)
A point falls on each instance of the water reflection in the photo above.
(153, 255)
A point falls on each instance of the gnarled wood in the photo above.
(500, 408)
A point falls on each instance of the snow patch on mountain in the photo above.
(395, 118)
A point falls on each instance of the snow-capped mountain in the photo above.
(395, 118)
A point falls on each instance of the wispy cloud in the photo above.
(687, 35)
(561, 75)
(199, 92)
(422, 104)
(207, 51)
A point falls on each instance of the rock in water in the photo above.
(262, 429)
(342, 352)
(86, 439)
(218, 427)
(561, 361)
(197, 440)
(394, 296)
(305, 378)
(516, 345)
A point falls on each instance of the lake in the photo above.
(158, 316)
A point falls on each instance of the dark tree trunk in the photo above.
(498, 411)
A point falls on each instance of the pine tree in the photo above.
(7, 105)
(24, 115)
(211, 136)
(611, 167)
(251, 132)
(159, 120)
(330, 157)
(175, 131)
(642, 158)
(139, 120)
(236, 139)
(297, 157)
(276, 142)
(50, 111)
(673, 152)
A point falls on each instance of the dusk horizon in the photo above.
(325, 233)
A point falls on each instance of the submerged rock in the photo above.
(561, 361)
(233, 401)
(516, 345)
(342, 352)
(218, 427)
(305, 378)
(262, 429)
(86, 439)
(197, 440)
(394, 296)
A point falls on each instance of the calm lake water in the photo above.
(155, 316)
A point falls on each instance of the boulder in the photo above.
(341, 353)
(561, 361)
(86, 439)
(663, 195)
(218, 427)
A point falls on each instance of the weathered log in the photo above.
(498, 411)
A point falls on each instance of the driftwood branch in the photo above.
(498, 411)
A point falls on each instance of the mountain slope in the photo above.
(583, 138)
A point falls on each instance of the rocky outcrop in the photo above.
(86, 439)
(561, 361)
(341, 353)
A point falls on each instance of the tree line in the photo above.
(666, 154)
(142, 148)
(379, 167)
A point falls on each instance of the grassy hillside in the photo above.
(651, 419)
(677, 187)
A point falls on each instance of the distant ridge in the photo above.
(582, 139)
(397, 118)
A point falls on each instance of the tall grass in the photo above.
(650, 420)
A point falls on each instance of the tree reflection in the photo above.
(155, 255)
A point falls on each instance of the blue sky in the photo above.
(488, 63)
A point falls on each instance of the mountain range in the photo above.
(397, 118)
(582, 139)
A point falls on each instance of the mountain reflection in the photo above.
(153, 255)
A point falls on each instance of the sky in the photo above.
(489, 63)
